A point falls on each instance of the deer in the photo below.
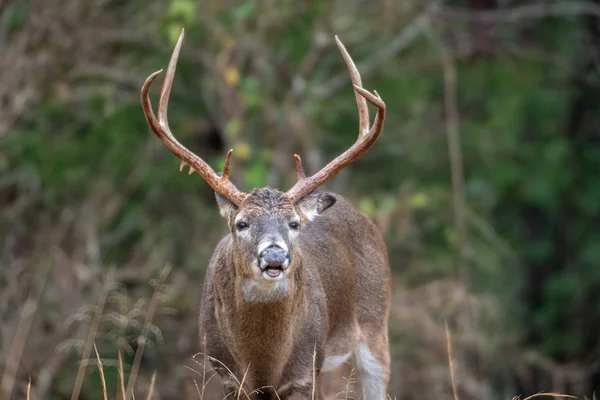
(301, 283)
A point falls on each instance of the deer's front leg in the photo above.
(298, 394)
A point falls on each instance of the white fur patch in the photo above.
(310, 215)
(371, 376)
(254, 291)
(271, 240)
(333, 362)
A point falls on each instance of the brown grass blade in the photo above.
(87, 348)
(198, 390)
(144, 334)
(243, 380)
(121, 375)
(547, 394)
(101, 373)
(348, 383)
(22, 332)
(231, 374)
(450, 360)
(151, 391)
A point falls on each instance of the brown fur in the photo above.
(338, 294)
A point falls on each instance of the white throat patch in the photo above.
(262, 291)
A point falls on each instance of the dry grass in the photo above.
(90, 340)
(346, 394)
(121, 375)
(23, 329)
(454, 369)
(151, 390)
(451, 361)
(349, 381)
(101, 373)
(100, 324)
(453, 380)
(545, 394)
(145, 331)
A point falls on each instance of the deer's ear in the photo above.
(226, 208)
(315, 204)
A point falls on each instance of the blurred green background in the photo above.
(485, 181)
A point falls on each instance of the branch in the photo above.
(396, 46)
(456, 159)
(105, 72)
(516, 14)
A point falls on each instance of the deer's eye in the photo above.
(240, 226)
(294, 225)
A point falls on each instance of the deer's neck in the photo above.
(263, 324)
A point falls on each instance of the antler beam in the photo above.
(160, 127)
(366, 137)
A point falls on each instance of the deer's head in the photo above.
(265, 223)
(265, 229)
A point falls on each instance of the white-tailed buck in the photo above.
(301, 274)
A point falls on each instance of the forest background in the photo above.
(485, 181)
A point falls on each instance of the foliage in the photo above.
(81, 173)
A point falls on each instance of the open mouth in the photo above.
(274, 269)
(273, 272)
(273, 262)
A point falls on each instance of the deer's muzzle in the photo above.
(273, 261)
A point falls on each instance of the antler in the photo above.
(160, 127)
(366, 136)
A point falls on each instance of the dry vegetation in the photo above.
(123, 325)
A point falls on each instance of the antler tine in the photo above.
(377, 102)
(160, 127)
(165, 90)
(299, 169)
(226, 166)
(363, 110)
(366, 138)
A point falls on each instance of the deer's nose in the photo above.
(273, 256)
